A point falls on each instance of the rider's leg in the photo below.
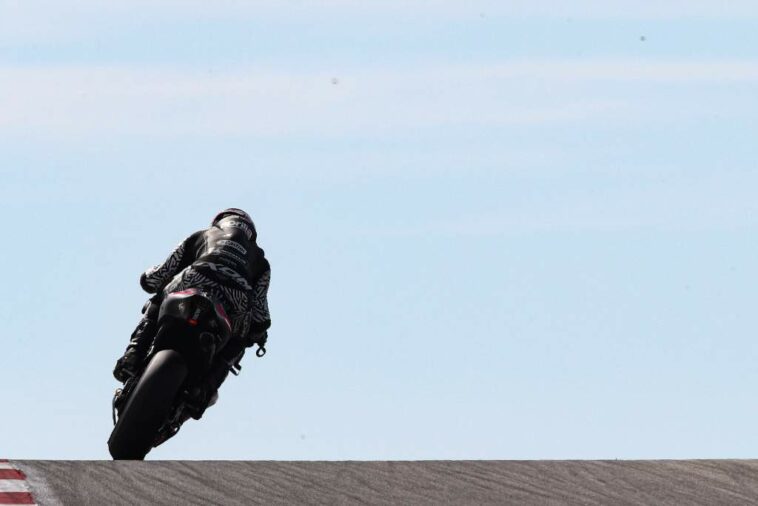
(140, 342)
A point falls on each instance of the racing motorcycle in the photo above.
(154, 403)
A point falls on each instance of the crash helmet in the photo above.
(233, 211)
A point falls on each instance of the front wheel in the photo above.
(148, 406)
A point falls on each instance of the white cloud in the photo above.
(632, 71)
(429, 9)
(714, 200)
(83, 101)
(34, 21)
(578, 9)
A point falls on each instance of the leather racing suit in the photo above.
(225, 261)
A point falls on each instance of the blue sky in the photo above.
(499, 232)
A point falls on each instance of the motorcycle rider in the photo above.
(226, 262)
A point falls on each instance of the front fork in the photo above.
(115, 404)
(116, 397)
(120, 397)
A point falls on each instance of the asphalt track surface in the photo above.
(710, 482)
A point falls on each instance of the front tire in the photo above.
(148, 406)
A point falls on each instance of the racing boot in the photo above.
(139, 344)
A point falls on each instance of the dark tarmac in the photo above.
(707, 482)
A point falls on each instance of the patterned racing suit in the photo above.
(225, 262)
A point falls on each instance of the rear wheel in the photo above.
(148, 406)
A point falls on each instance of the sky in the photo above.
(519, 231)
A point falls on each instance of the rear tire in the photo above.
(148, 406)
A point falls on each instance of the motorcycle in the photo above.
(154, 403)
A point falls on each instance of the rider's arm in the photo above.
(260, 317)
(156, 277)
(261, 320)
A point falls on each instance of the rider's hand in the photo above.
(258, 338)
